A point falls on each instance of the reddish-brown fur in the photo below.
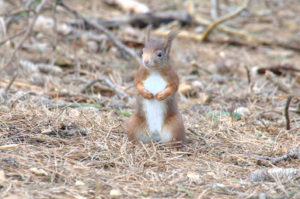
(173, 121)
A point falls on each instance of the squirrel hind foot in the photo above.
(156, 136)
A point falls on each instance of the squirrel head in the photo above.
(156, 52)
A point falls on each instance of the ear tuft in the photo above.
(168, 41)
(148, 33)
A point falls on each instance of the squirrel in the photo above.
(156, 117)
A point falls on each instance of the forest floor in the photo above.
(59, 142)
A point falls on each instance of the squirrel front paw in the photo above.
(161, 96)
(148, 95)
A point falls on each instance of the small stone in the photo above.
(113, 50)
(115, 193)
(46, 131)
(64, 29)
(222, 54)
(185, 88)
(37, 79)
(193, 176)
(199, 29)
(198, 84)
(74, 112)
(28, 67)
(63, 62)
(44, 24)
(39, 172)
(50, 69)
(79, 183)
(93, 46)
(243, 111)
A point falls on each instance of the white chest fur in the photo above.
(155, 83)
(154, 109)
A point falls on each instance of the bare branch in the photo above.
(292, 155)
(277, 83)
(287, 90)
(11, 82)
(286, 112)
(109, 83)
(26, 35)
(250, 40)
(215, 9)
(248, 73)
(101, 28)
(3, 93)
(223, 19)
(11, 37)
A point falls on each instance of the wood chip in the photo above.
(9, 146)
(115, 193)
(39, 172)
(2, 178)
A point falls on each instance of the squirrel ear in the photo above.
(168, 41)
(148, 33)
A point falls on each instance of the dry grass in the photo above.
(51, 151)
(85, 153)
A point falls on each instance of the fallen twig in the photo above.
(278, 69)
(244, 35)
(248, 74)
(277, 83)
(26, 35)
(231, 41)
(215, 9)
(3, 94)
(212, 26)
(109, 83)
(142, 20)
(17, 12)
(287, 90)
(11, 82)
(292, 155)
(286, 112)
(11, 37)
(194, 63)
(249, 39)
(101, 28)
(8, 147)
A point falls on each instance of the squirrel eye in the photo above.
(159, 54)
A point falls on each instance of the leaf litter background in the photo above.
(59, 142)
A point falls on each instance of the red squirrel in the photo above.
(156, 117)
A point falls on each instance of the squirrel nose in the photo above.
(146, 62)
